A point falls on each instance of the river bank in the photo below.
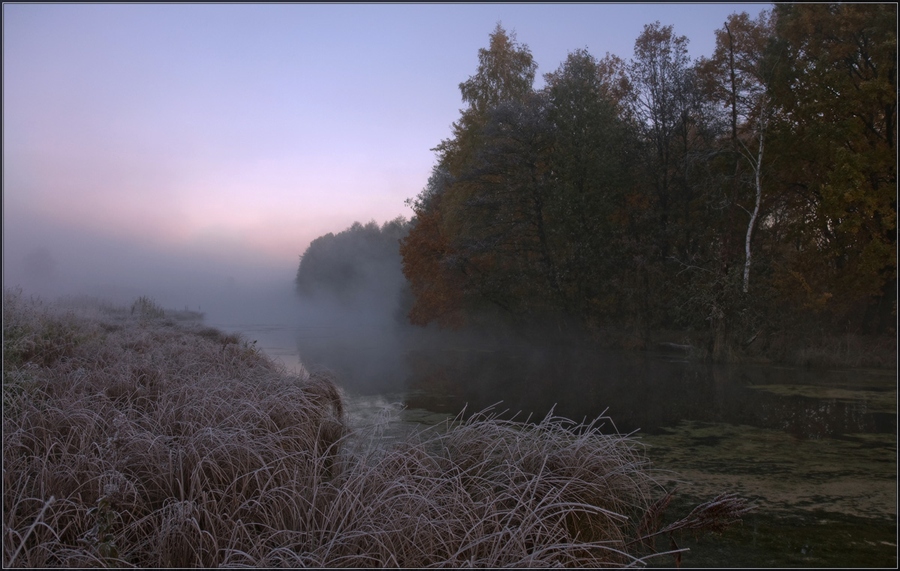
(815, 449)
(808, 346)
(140, 437)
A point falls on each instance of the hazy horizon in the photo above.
(192, 152)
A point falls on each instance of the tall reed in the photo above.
(130, 440)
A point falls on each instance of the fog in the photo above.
(51, 258)
(232, 286)
(354, 328)
(357, 335)
(353, 308)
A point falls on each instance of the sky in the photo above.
(185, 150)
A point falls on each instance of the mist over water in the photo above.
(235, 290)
(361, 343)
(809, 446)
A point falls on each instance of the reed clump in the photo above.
(128, 441)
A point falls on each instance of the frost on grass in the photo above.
(130, 439)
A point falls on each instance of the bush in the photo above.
(147, 308)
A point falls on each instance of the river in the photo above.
(815, 450)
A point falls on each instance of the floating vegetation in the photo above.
(822, 502)
(873, 400)
(855, 476)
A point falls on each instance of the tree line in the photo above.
(360, 265)
(750, 191)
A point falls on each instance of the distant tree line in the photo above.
(751, 191)
(359, 265)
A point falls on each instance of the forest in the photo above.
(360, 264)
(746, 199)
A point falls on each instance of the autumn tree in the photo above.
(747, 191)
(735, 82)
(664, 107)
(526, 217)
(429, 260)
(739, 76)
(589, 162)
(507, 253)
(505, 72)
(445, 243)
(834, 132)
(662, 102)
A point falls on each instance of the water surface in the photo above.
(815, 450)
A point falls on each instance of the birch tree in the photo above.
(737, 77)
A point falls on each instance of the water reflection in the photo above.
(815, 449)
(638, 391)
(365, 359)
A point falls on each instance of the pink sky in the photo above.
(221, 139)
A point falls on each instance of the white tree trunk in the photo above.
(757, 167)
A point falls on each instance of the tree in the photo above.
(360, 264)
(662, 101)
(590, 175)
(735, 83)
(505, 73)
(505, 243)
(428, 259)
(666, 109)
(741, 76)
(743, 189)
(526, 222)
(447, 258)
(835, 97)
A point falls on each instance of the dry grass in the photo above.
(130, 441)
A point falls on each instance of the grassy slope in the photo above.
(132, 439)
